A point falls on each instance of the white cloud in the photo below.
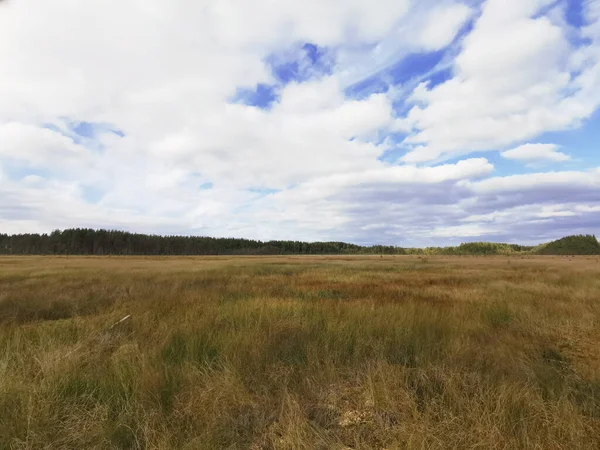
(463, 231)
(442, 25)
(441, 204)
(429, 25)
(306, 135)
(98, 58)
(42, 147)
(592, 10)
(511, 82)
(536, 153)
(545, 183)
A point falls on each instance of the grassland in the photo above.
(300, 353)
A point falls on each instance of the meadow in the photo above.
(351, 352)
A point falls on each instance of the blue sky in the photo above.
(392, 122)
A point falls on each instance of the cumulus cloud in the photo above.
(40, 146)
(536, 153)
(516, 76)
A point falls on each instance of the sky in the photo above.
(397, 122)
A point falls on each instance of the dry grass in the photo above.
(300, 353)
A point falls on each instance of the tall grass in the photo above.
(299, 353)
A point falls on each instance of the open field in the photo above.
(300, 353)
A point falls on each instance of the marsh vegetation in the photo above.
(357, 352)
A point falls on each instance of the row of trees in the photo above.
(477, 248)
(85, 241)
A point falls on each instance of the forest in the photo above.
(571, 245)
(85, 241)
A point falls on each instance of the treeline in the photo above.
(474, 248)
(85, 241)
(571, 245)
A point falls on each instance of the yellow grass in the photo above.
(300, 353)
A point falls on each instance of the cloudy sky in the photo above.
(408, 122)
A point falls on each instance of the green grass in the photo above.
(299, 353)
